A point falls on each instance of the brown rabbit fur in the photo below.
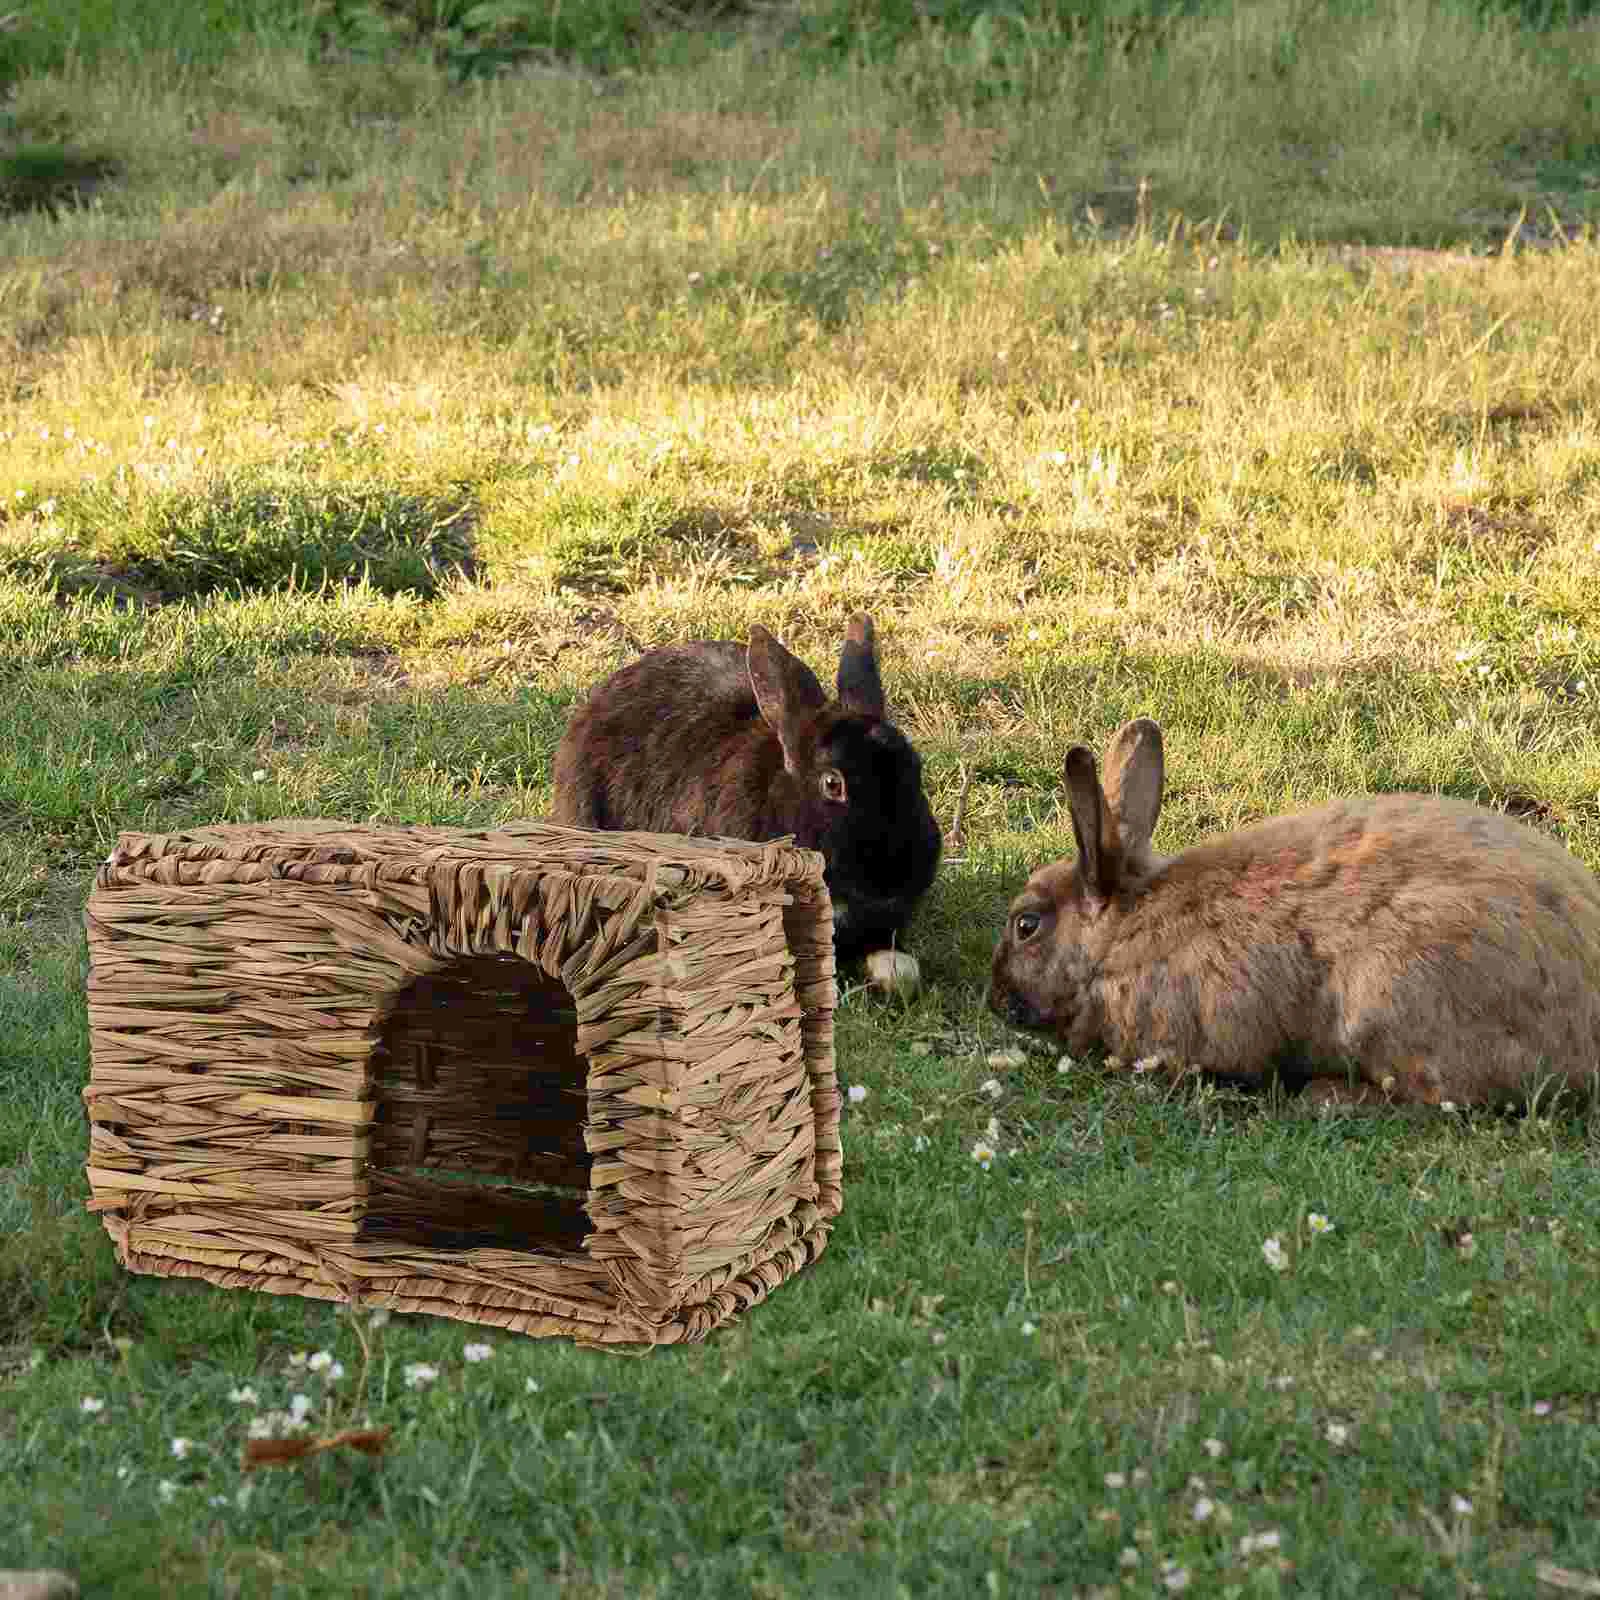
(1394, 947)
(741, 741)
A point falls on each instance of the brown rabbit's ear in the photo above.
(1135, 775)
(786, 691)
(860, 687)
(1097, 856)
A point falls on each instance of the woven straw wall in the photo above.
(551, 1080)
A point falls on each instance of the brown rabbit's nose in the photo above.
(1022, 1015)
(1011, 1006)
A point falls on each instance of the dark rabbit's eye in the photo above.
(1024, 925)
(832, 783)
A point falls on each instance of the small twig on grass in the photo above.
(956, 839)
(280, 1452)
(354, 1318)
(1029, 1217)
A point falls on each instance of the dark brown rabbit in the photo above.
(742, 742)
(1401, 947)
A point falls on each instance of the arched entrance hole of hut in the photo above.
(481, 1100)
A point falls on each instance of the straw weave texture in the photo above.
(556, 1081)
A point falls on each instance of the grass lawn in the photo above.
(358, 418)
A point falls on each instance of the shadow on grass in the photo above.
(59, 1284)
(51, 177)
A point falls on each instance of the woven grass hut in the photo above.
(554, 1081)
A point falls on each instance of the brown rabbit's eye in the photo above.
(1024, 925)
(832, 785)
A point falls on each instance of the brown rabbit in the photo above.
(741, 741)
(1400, 947)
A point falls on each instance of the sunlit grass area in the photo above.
(359, 418)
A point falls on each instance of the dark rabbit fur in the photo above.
(1394, 947)
(741, 742)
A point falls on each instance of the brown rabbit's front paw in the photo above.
(1415, 1082)
(1331, 1092)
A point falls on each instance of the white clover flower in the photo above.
(857, 1092)
(259, 775)
(91, 1405)
(299, 1406)
(1029, 1329)
(983, 1152)
(1283, 1381)
(1461, 1505)
(1116, 1480)
(1212, 1447)
(418, 1374)
(1064, 1064)
(181, 1448)
(274, 1424)
(1272, 1253)
(1318, 1223)
(1337, 1433)
(991, 1087)
(1541, 1408)
(1267, 1539)
(1176, 1578)
(476, 1352)
(321, 1361)
(1129, 1557)
(166, 1489)
(530, 1386)
(1203, 1509)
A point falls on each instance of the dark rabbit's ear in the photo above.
(1135, 774)
(786, 691)
(860, 687)
(1097, 857)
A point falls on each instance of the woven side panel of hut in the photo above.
(551, 1080)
